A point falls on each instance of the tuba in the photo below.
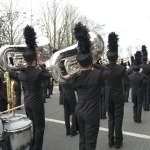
(11, 56)
(68, 57)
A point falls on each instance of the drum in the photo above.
(21, 133)
(14, 118)
(6, 118)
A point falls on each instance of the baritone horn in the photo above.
(68, 55)
(10, 91)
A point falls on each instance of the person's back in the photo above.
(88, 87)
(31, 79)
(30, 82)
(115, 82)
(137, 81)
(87, 84)
(146, 70)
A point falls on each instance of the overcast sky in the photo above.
(130, 19)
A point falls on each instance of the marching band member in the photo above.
(69, 102)
(88, 87)
(146, 71)
(114, 93)
(137, 82)
(31, 79)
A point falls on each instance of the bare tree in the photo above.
(10, 25)
(57, 22)
(91, 24)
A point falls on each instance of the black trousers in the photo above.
(137, 108)
(102, 105)
(61, 100)
(69, 109)
(67, 113)
(18, 94)
(48, 90)
(44, 91)
(51, 88)
(115, 114)
(36, 113)
(126, 91)
(88, 128)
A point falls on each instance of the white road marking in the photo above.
(101, 128)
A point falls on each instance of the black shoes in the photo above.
(73, 133)
(68, 133)
(139, 121)
(111, 145)
(48, 96)
(118, 146)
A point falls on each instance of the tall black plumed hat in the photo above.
(137, 61)
(82, 36)
(144, 53)
(112, 53)
(30, 40)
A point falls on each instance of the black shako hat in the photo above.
(144, 53)
(112, 53)
(30, 37)
(84, 56)
(137, 61)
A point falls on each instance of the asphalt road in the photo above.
(136, 136)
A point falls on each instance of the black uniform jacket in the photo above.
(137, 82)
(88, 87)
(114, 84)
(31, 79)
(146, 70)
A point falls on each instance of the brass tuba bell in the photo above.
(68, 57)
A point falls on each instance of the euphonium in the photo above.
(15, 52)
(10, 85)
(68, 57)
